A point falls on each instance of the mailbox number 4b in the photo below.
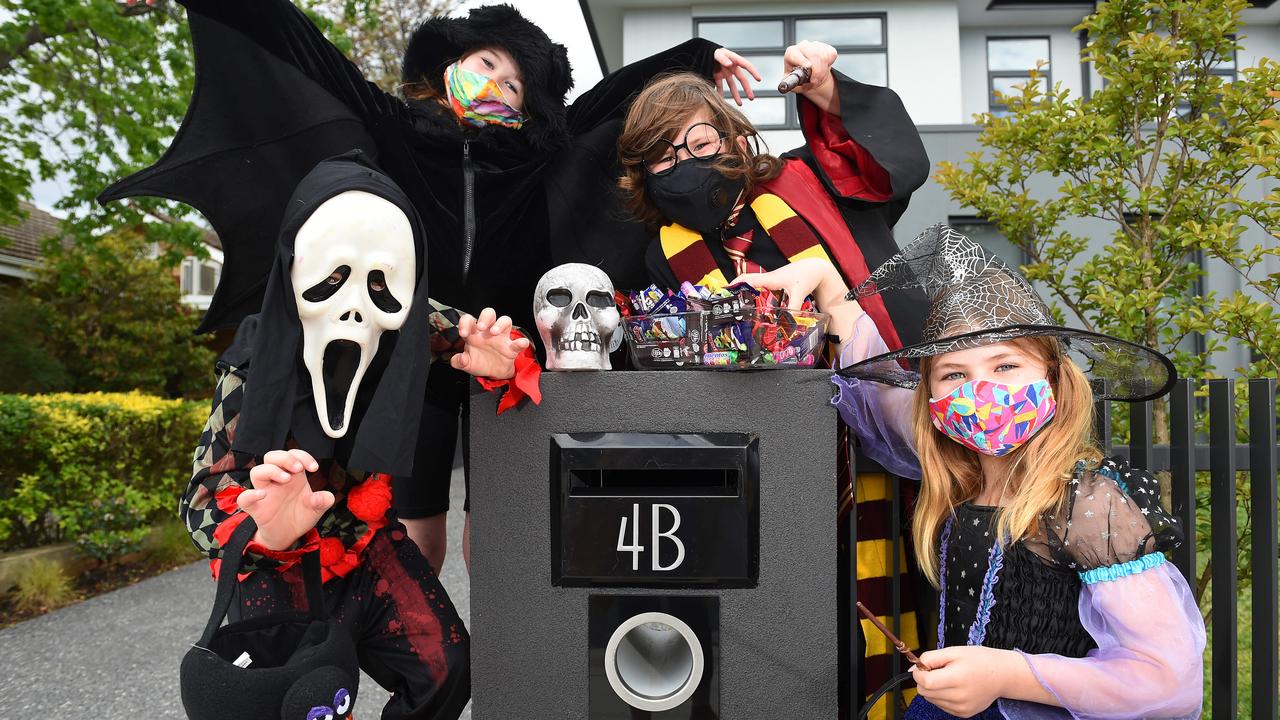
(635, 548)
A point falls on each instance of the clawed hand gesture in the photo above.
(488, 351)
(734, 67)
(282, 502)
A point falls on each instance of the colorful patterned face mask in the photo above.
(993, 418)
(477, 99)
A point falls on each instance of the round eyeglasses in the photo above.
(702, 141)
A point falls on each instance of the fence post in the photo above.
(857, 653)
(1141, 451)
(1222, 501)
(1102, 425)
(1262, 496)
(895, 586)
(1182, 464)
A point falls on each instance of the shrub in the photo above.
(42, 583)
(171, 544)
(93, 467)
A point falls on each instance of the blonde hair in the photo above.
(1038, 474)
(661, 110)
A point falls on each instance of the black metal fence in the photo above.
(1223, 457)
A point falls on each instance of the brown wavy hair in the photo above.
(661, 110)
(1038, 475)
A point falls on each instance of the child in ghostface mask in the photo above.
(317, 407)
(1055, 598)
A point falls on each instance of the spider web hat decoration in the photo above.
(976, 299)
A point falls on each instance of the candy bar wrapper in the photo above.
(668, 305)
(644, 300)
(720, 358)
(623, 301)
(674, 352)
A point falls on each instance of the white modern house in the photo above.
(943, 57)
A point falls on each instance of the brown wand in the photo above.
(902, 647)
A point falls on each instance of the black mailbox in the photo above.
(651, 510)
(657, 545)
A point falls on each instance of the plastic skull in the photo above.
(354, 272)
(577, 319)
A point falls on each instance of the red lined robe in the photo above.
(850, 183)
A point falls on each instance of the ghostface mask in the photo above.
(353, 274)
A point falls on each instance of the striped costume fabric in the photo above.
(690, 259)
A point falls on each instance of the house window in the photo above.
(1225, 69)
(1010, 61)
(986, 234)
(199, 277)
(859, 40)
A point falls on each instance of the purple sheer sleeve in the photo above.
(1148, 662)
(879, 415)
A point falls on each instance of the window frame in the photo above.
(992, 75)
(191, 280)
(791, 117)
(961, 221)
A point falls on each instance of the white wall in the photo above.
(647, 31)
(1258, 42)
(1064, 62)
(929, 82)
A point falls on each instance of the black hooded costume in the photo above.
(501, 206)
(376, 581)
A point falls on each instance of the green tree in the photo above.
(27, 365)
(375, 33)
(92, 89)
(1160, 154)
(111, 317)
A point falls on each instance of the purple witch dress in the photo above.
(1108, 627)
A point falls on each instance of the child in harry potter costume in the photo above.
(721, 209)
(1055, 597)
(316, 409)
(508, 179)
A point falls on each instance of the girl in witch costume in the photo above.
(1055, 598)
(721, 210)
(508, 179)
(316, 409)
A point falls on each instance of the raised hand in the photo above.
(734, 67)
(282, 502)
(488, 351)
(817, 57)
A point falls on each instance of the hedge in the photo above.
(94, 468)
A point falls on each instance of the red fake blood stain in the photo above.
(426, 637)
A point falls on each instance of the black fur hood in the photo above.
(438, 42)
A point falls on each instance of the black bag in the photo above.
(301, 665)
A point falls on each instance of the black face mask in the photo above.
(694, 194)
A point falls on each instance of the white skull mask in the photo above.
(576, 317)
(354, 272)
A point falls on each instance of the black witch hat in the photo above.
(976, 299)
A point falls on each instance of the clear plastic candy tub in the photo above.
(745, 339)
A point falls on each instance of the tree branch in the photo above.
(33, 37)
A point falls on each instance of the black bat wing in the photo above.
(255, 126)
